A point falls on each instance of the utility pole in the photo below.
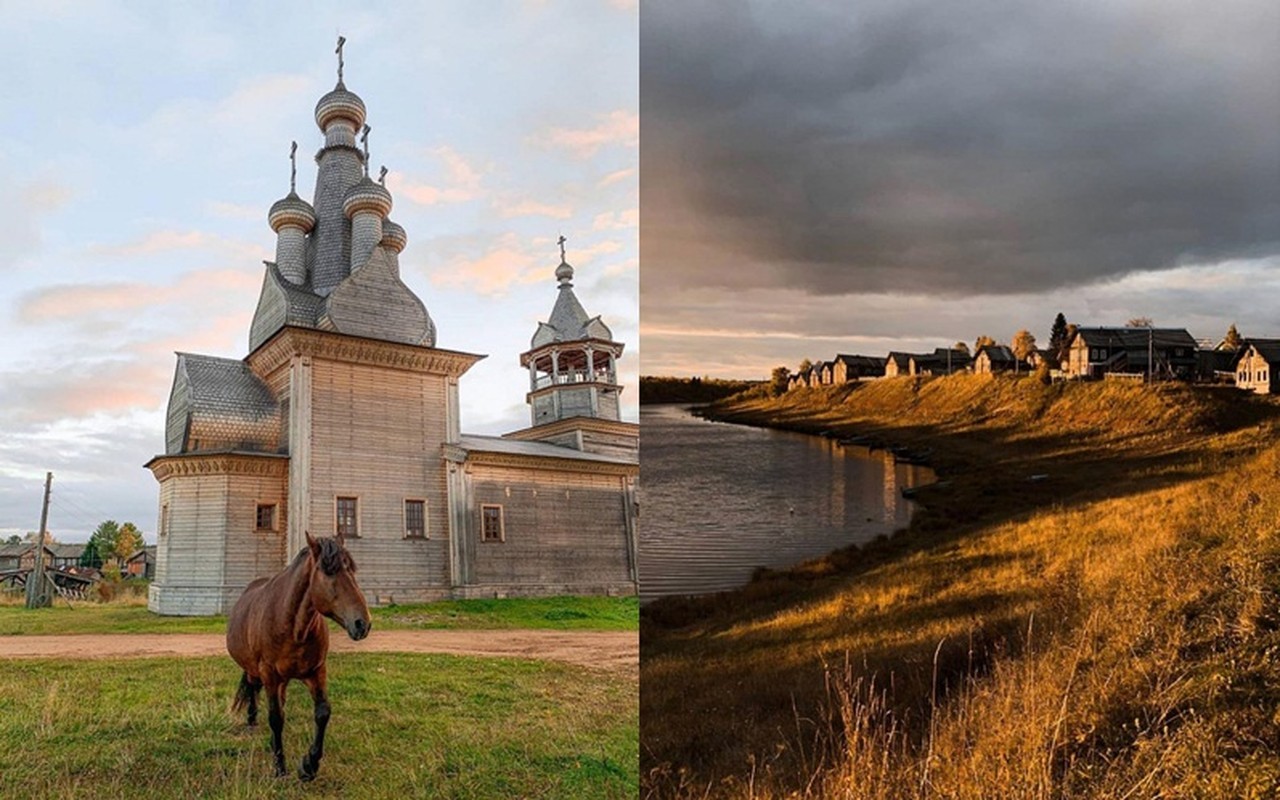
(1150, 349)
(38, 595)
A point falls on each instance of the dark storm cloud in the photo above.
(962, 148)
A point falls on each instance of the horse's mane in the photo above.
(333, 557)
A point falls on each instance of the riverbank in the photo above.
(1088, 606)
(657, 389)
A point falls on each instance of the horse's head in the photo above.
(334, 590)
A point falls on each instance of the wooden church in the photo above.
(344, 418)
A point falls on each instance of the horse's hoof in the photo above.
(306, 771)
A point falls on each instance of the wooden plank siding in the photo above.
(563, 529)
(373, 438)
(208, 549)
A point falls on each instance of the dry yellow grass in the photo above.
(1111, 631)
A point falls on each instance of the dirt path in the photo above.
(614, 650)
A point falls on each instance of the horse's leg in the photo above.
(248, 695)
(254, 687)
(275, 715)
(311, 761)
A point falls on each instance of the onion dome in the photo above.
(367, 196)
(564, 272)
(291, 210)
(393, 236)
(340, 104)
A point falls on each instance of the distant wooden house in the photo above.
(142, 564)
(11, 555)
(897, 364)
(66, 555)
(815, 376)
(993, 358)
(1037, 357)
(1258, 365)
(28, 557)
(826, 373)
(1096, 352)
(942, 361)
(851, 368)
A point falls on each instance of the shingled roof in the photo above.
(1136, 338)
(218, 403)
(569, 321)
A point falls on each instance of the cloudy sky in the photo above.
(903, 174)
(145, 141)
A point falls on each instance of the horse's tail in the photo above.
(244, 693)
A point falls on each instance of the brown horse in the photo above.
(276, 633)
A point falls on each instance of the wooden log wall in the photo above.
(376, 434)
(561, 528)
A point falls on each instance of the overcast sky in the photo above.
(144, 143)
(901, 174)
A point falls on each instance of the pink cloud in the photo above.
(72, 301)
(532, 208)
(509, 263)
(620, 128)
(619, 221)
(463, 182)
(164, 241)
(615, 177)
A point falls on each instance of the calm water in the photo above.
(718, 500)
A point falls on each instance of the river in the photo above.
(718, 500)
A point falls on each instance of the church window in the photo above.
(164, 520)
(415, 519)
(491, 529)
(346, 519)
(266, 517)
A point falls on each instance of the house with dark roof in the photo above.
(1167, 353)
(11, 555)
(1258, 366)
(66, 555)
(942, 361)
(897, 363)
(992, 358)
(141, 563)
(847, 368)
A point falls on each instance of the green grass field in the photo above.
(403, 726)
(555, 613)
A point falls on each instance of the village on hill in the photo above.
(1136, 351)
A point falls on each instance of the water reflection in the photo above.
(719, 500)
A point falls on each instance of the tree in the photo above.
(981, 342)
(90, 557)
(1233, 340)
(805, 366)
(1023, 343)
(778, 380)
(962, 347)
(1140, 322)
(15, 539)
(128, 540)
(1058, 337)
(103, 540)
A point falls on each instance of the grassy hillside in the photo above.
(1108, 629)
